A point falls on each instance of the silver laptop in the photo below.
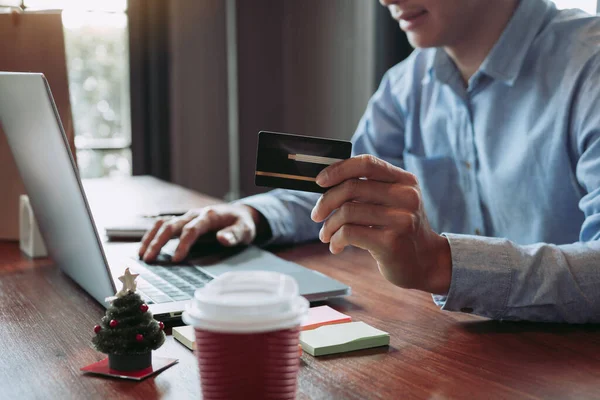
(35, 135)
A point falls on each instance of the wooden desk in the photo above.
(46, 326)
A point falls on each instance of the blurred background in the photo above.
(179, 89)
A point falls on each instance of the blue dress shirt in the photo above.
(509, 166)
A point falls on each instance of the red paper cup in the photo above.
(248, 365)
(247, 328)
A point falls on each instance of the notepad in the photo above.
(186, 335)
(317, 316)
(324, 315)
(340, 338)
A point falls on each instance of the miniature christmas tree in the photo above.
(128, 333)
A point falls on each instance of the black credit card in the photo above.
(293, 161)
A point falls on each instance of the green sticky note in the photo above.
(340, 338)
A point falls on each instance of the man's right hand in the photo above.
(234, 224)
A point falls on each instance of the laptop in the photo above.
(36, 138)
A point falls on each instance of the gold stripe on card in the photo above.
(286, 176)
(313, 159)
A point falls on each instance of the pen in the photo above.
(164, 214)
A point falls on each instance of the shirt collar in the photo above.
(508, 54)
(439, 66)
(506, 58)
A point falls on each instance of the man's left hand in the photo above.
(377, 207)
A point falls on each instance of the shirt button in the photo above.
(466, 310)
(468, 165)
(477, 232)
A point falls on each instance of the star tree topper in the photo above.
(129, 285)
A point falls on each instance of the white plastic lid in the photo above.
(247, 302)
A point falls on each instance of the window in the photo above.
(589, 6)
(96, 41)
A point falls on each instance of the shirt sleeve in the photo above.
(288, 214)
(542, 282)
(288, 211)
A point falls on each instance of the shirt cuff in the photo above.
(481, 276)
(276, 214)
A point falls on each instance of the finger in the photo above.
(404, 223)
(366, 191)
(189, 234)
(167, 231)
(364, 166)
(149, 235)
(358, 236)
(208, 221)
(239, 233)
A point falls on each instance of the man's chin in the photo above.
(420, 41)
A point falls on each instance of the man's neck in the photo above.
(473, 47)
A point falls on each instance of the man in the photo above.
(489, 133)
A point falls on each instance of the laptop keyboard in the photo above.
(167, 283)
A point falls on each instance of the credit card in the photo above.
(293, 161)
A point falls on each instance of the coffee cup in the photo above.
(247, 330)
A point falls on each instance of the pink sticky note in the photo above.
(324, 315)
